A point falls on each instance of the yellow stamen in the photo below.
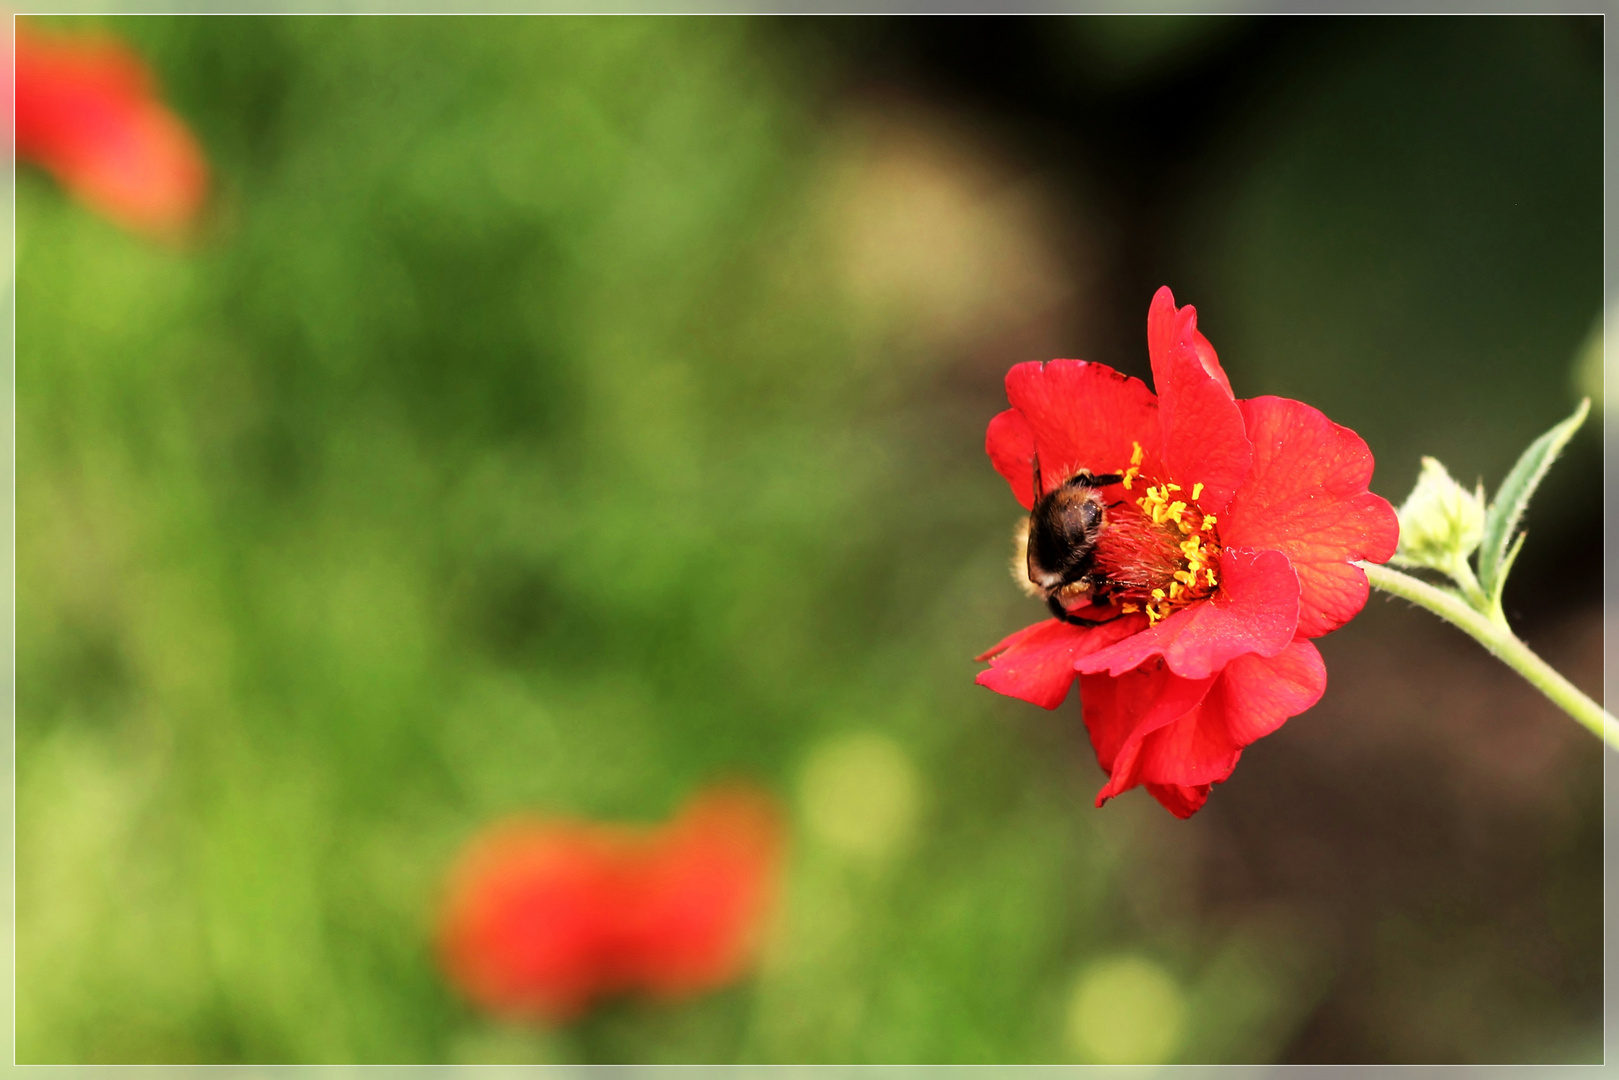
(1158, 594)
(1185, 577)
(1174, 510)
(1172, 487)
(1175, 590)
(1135, 454)
(1208, 522)
(1197, 492)
(1213, 581)
(1191, 547)
(1129, 609)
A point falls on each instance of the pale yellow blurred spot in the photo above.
(1590, 361)
(1126, 1010)
(939, 232)
(860, 794)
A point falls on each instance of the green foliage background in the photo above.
(512, 441)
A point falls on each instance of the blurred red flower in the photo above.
(1228, 543)
(543, 917)
(87, 112)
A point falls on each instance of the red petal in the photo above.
(1121, 712)
(1255, 611)
(527, 924)
(1179, 800)
(1082, 416)
(1204, 439)
(1306, 497)
(1259, 693)
(705, 890)
(1036, 664)
(1168, 328)
(1252, 697)
(1010, 445)
(86, 113)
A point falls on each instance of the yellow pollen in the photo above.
(1175, 590)
(1174, 510)
(1135, 453)
(1183, 577)
(1213, 581)
(1129, 475)
(1208, 522)
(1129, 609)
(1197, 491)
(1190, 548)
(1158, 594)
(1194, 565)
(1172, 487)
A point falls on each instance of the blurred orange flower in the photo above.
(87, 112)
(543, 917)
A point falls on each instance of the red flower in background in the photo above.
(87, 112)
(1228, 542)
(544, 917)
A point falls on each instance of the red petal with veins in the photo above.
(1306, 497)
(1036, 664)
(1010, 445)
(1255, 611)
(1170, 328)
(1121, 713)
(1081, 416)
(1203, 436)
(1252, 697)
(1178, 737)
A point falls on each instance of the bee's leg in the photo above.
(1104, 581)
(1087, 480)
(1062, 613)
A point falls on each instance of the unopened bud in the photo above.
(1441, 522)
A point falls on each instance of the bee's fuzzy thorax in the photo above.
(1020, 559)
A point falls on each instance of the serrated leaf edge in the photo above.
(1512, 499)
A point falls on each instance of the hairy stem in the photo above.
(1501, 641)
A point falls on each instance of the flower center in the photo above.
(1159, 551)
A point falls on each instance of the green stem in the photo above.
(1501, 641)
(1462, 574)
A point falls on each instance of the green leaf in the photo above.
(1513, 499)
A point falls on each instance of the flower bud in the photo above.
(1441, 522)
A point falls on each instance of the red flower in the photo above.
(1228, 543)
(86, 111)
(544, 917)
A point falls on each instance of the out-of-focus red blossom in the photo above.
(543, 917)
(1235, 528)
(87, 112)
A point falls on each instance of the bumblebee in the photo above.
(1062, 533)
